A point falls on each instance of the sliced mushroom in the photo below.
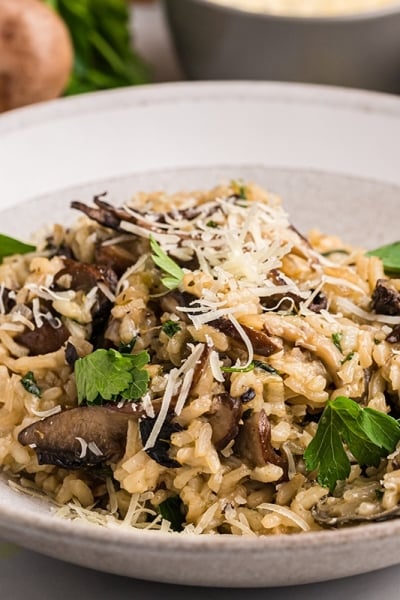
(115, 257)
(174, 299)
(394, 335)
(160, 451)
(386, 298)
(7, 301)
(60, 439)
(331, 512)
(111, 216)
(260, 340)
(253, 442)
(83, 277)
(45, 339)
(224, 419)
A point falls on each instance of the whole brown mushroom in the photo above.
(36, 53)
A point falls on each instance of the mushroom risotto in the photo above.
(193, 363)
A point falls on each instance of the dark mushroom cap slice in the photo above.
(385, 298)
(262, 344)
(253, 442)
(44, 339)
(224, 418)
(55, 438)
(330, 512)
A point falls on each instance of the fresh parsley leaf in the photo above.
(138, 386)
(29, 383)
(102, 47)
(166, 264)
(336, 339)
(172, 510)
(390, 256)
(10, 246)
(212, 224)
(170, 328)
(110, 375)
(370, 435)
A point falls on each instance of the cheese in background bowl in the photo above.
(309, 8)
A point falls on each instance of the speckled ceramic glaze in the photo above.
(219, 42)
(331, 154)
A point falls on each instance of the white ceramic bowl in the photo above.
(331, 154)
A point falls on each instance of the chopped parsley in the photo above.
(337, 339)
(166, 264)
(111, 376)
(170, 328)
(212, 224)
(10, 246)
(258, 364)
(336, 251)
(347, 358)
(246, 369)
(29, 383)
(128, 347)
(369, 435)
(255, 364)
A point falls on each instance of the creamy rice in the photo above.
(244, 356)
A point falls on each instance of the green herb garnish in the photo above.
(369, 434)
(337, 339)
(102, 46)
(336, 251)
(111, 376)
(249, 367)
(170, 328)
(166, 264)
(172, 510)
(128, 347)
(10, 246)
(258, 364)
(347, 358)
(212, 224)
(390, 256)
(29, 383)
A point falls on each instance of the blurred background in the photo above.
(50, 48)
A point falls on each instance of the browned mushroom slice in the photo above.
(79, 437)
(253, 442)
(224, 419)
(7, 301)
(330, 512)
(83, 276)
(394, 335)
(173, 300)
(260, 340)
(44, 339)
(115, 257)
(385, 298)
(111, 216)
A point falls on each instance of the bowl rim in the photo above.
(356, 17)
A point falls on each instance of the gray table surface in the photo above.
(28, 575)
